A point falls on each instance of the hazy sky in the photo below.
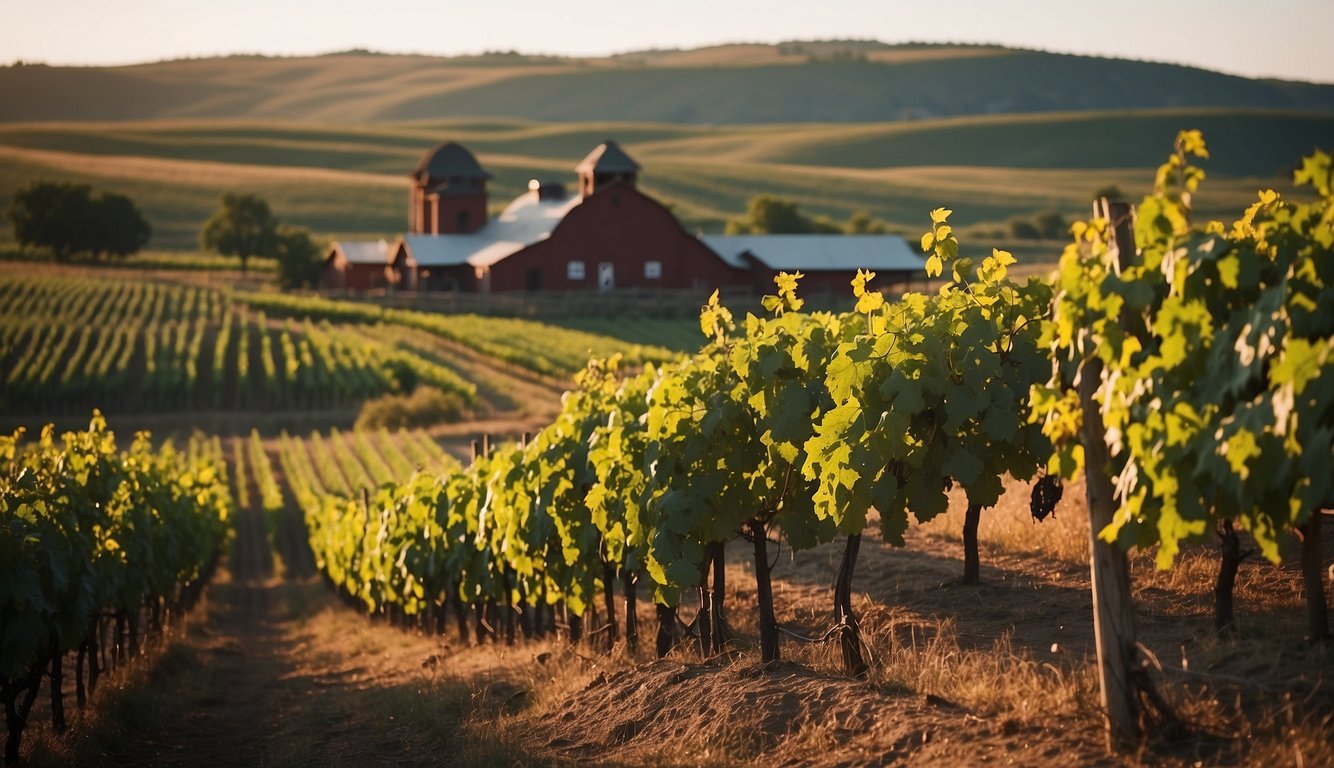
(1266, 38)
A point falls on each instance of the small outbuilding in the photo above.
(829, 262)
(357, 265)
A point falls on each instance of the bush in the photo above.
(863, 223)
(1111, 192)
(1023, 229)
(300, 260)
(426, 406)
(1052, 225)
(769, 215)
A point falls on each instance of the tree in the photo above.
(1051, 224)
(1023, 229)
(1109, 191)
(863, 223)
(769, 215)
(51, 215)
(68, 220)
(299, 261)
(117, 226)
(244, 226)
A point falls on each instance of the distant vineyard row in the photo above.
(341, 463)
(69, 345)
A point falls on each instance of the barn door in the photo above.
(606, 276)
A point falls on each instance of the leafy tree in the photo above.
(863, 223)
(244, 226)
(67, 219)
(1110, 191)
(117, 226)
(50, 215)
(1051, 225)
(769, 215)
(299, 258)
(1023, 229)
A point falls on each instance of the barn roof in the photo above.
(608, 157)
(815, 253)
(362, 251)
(450, 161)
(524, 221)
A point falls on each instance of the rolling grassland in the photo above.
(350, 180)
(788, 83)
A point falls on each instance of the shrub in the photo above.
(426, 406)
(1023, 229)
(1052, 225)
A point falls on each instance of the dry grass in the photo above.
(1009, 526)
(127, 702)
(927, 658)
(1243, 702)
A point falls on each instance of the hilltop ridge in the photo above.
(791, 82)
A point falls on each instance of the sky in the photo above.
(1288, 39)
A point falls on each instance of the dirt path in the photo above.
(276, 672)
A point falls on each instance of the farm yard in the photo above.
(1061, 496)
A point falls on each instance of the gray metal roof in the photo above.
(813, 253)
(363, 251)
(524, 221)
(608, 157)
(450, 161)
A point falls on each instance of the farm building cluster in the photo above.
(605, 235)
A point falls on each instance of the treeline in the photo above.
(70, 221)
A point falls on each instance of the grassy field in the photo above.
(349, 180)
(787, 83)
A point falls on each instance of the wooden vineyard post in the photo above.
(1312, 580)
(1113, 612)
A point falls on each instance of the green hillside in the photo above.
(349, 180)
(786, 83)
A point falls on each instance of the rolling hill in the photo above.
(741, 84)
(838, 126)
(349, 180)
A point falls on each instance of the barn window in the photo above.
(575, 270)
(652, 270)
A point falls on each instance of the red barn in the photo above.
(609, 235)
(354, 265)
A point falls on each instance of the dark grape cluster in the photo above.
(1046, 495)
